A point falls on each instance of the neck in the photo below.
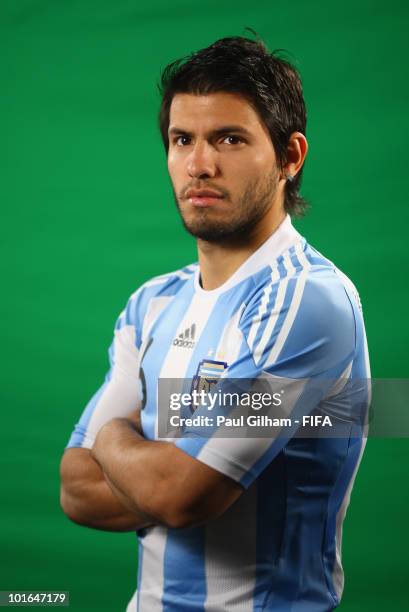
(218, 262)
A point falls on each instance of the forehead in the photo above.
(189, 111)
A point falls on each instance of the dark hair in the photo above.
(271, 84)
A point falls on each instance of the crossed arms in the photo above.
(125, 483)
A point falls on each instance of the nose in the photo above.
(201, 162)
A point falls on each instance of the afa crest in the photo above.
(208, 373)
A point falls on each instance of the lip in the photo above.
(203, 193)
(203, 197)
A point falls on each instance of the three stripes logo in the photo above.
(187, 338)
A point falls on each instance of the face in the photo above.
(222, 165)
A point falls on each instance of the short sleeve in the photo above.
(306, 340)
(120, 392)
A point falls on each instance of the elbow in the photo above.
(72, 509)
(181, 517)
(77, 476)
(182, 521)
(179, 507)
(175, 518)
(68, 507)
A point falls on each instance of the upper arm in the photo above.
(120, 392)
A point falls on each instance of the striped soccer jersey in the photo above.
(286, 312)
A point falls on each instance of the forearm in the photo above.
(90, 499)
(143, 471)
(158, 479)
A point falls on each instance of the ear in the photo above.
(296, 152)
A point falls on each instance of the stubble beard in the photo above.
(245, 214)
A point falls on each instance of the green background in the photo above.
(87, 216)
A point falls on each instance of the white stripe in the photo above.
(349, 285)
(287, 258)
(338, 573)
(192, 267)
(275, 312)
(223, 452)
(292, 311)
(368, 378)
(215, 371)
(131, 607)
(152, 578)
(177, 359)
(340, 383)
(275, 276)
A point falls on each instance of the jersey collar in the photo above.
(284, 237)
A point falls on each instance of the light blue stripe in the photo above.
(184, 588)
(137, 306)
(156, 355)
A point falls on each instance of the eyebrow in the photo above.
(238, 129)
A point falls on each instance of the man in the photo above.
(244, 523)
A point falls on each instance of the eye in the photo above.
(232, 139)
(182, 140)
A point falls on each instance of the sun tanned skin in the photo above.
(89, 498)
(125, 482)
(209, 160)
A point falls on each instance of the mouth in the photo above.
(203, 197)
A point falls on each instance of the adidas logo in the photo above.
(186, 338)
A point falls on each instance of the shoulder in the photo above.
(159, 288)
(340, 281)
(300, 277)
(300, 308)
(166, 283)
